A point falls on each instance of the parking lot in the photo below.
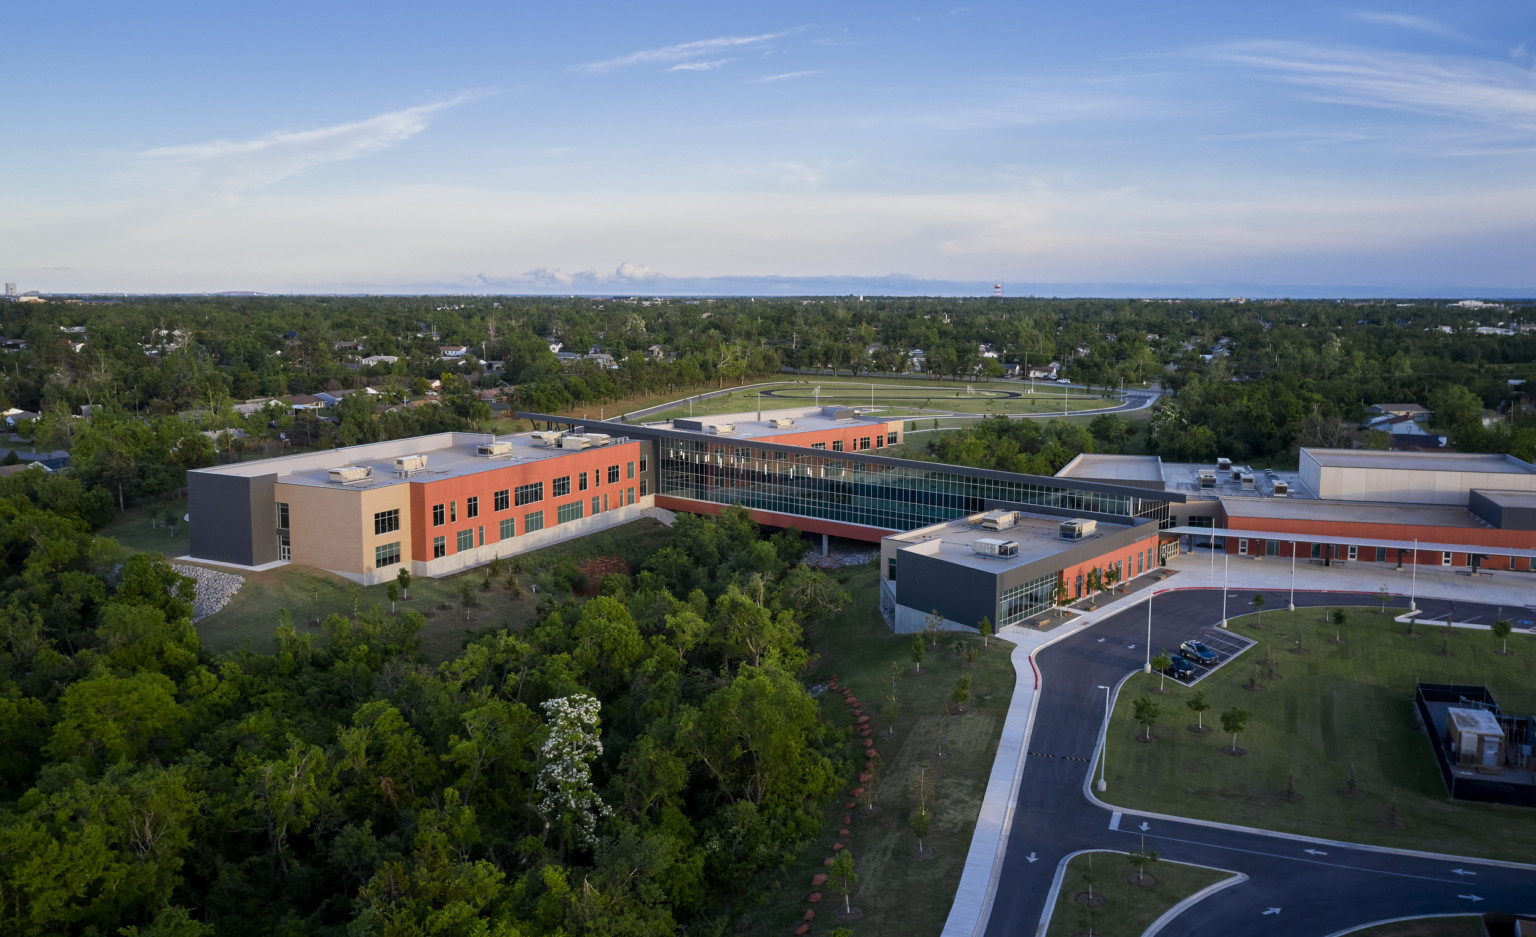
(1226, 643)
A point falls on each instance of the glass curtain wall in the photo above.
(1020, 602)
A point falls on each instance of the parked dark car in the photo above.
(1179, 666)
(1199, 653)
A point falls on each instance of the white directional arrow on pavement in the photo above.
(1314, 852)
(1144, 826)
(1101, 640)
(1130, 647)
(1031, 858)
(1271, 910)
(1462, 872)
(1470, 897)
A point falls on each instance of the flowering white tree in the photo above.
(565, 777)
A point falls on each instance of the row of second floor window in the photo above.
(471, 537)
(533, 493)
(861, 442)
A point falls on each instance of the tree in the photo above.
(1142, 858)
(1161, 663)
(1340, 619)
(1198, 704)
(1501, 630)
(1234, 720)
(1111, 576)
(895, 671)
(985, 627)
(919, 651)
(920, 820)
(1095, 581)
(403, 577)
(1146, 711)
(890, 709)
(1258, 609)
(1384, 597)
(393, 591)
(567, 796)
(843, 878)
(962, 692)
(1061, 593)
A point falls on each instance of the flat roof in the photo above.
(1143, 468)
(1199, 535)
(750, 425)
(449, 455)
(1420, 461)
(1038, 537)
(1359, 512)
(1508, 499)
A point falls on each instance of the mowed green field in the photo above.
(898, 893)
(1128, 909)
(1333, 708)
(900, 398)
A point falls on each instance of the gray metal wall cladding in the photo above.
(233, 519)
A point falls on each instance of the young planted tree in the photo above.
(1142, 858)
(1111, 576)
(920, 820)
(1501, 630)
(1340, 619)
(1234, 720)
(890, 709)
(1384, 597)
(895, 672)
(1062, 594)
(467, 597)
(1161, 663)
(1095, 581)
(919, 651)
(962, 692)
(933, 626)
(1258, 609)
(393, 591)
(1146, 711)
(1198, 704)
(842, 878)
(403, 577)
(985, 627)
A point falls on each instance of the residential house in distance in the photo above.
(306, 402)
(351, 346)
(1411, 410)
(373, 360)
(452, 351)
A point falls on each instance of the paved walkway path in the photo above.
(972, 908)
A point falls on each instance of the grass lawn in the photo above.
(899, 894)
(1127, 909)
(252, 615)
(1335, 707)
(1463, 925)
(900, 398)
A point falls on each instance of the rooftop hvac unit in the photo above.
(1207, 478)
(1282, 489)
(988, 546)
(547, 437)
(350, 474)
(1247, 481)
(781, 422)
(407, 465)
(493, 448)
(600, 439)
(1077, 528)
(722, 428)
(1223, 465)
(573, 441)
(1000, 520)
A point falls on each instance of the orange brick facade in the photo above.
(1471, 536)
(1132, 561)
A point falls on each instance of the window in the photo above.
(581, 482)
(837, 445)
(1317, 551)
(466, 540)
(1445, 559)
(560, 487)
(864, 442)
(644, 461)
(880, 441)
(818, 445)
(568, 512)
(890, 569)
(481, 532)
(743, 456)
(386, 554)
(1271, 548)
(1381, 554)
(508, 528)
(453, 511)
(893, 438)
(437, 515)
(282, 515)
(501, 500)
(629, 470)
(386, 521)
(439, 547)
(605, 502)
(528, 494)
(533, 521)
(472, 507)
(644, 487)
(631, 496)
(613, 474)
(1354, 551)
(1141, 563)
(1242, 546)
(594, 505)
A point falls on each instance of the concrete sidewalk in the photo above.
(984, 862)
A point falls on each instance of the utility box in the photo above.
(1223, 465)
(1078, 528)
(988, 546)
(493, 448)
(1282, 489)
(1000, 520)
(408, 465)
(1207, 478)
(1247, 482)
(350, 474)
(548, 437)
(1476, 740)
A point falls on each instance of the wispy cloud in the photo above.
(1421, 24)
(758, 81)
(240, 165)
(698, 66)
(1496, 93)
(678, 53)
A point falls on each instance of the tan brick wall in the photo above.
(391, 497)
(324, 524)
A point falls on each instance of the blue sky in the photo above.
(662, 147)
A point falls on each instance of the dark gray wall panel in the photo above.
(959, 593)
(232, 518)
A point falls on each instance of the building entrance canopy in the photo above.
(1425, 546)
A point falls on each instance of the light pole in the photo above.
(1413, 580)
(1104, 749)
(1223, 590)
(1213, 549)
(1293, 575)
(1147, 668)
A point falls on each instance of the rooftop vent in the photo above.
(600, 439)
(493, 448)
(723, 428)
(781, 422)
(350, 474)
(408, 465)
(1207, 478)
(1000, 520)
(549, 437)
(1223, 465)
(989, 546)
(573, 441)
(1247, 481)
(1282, 489)
(1078, 528)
